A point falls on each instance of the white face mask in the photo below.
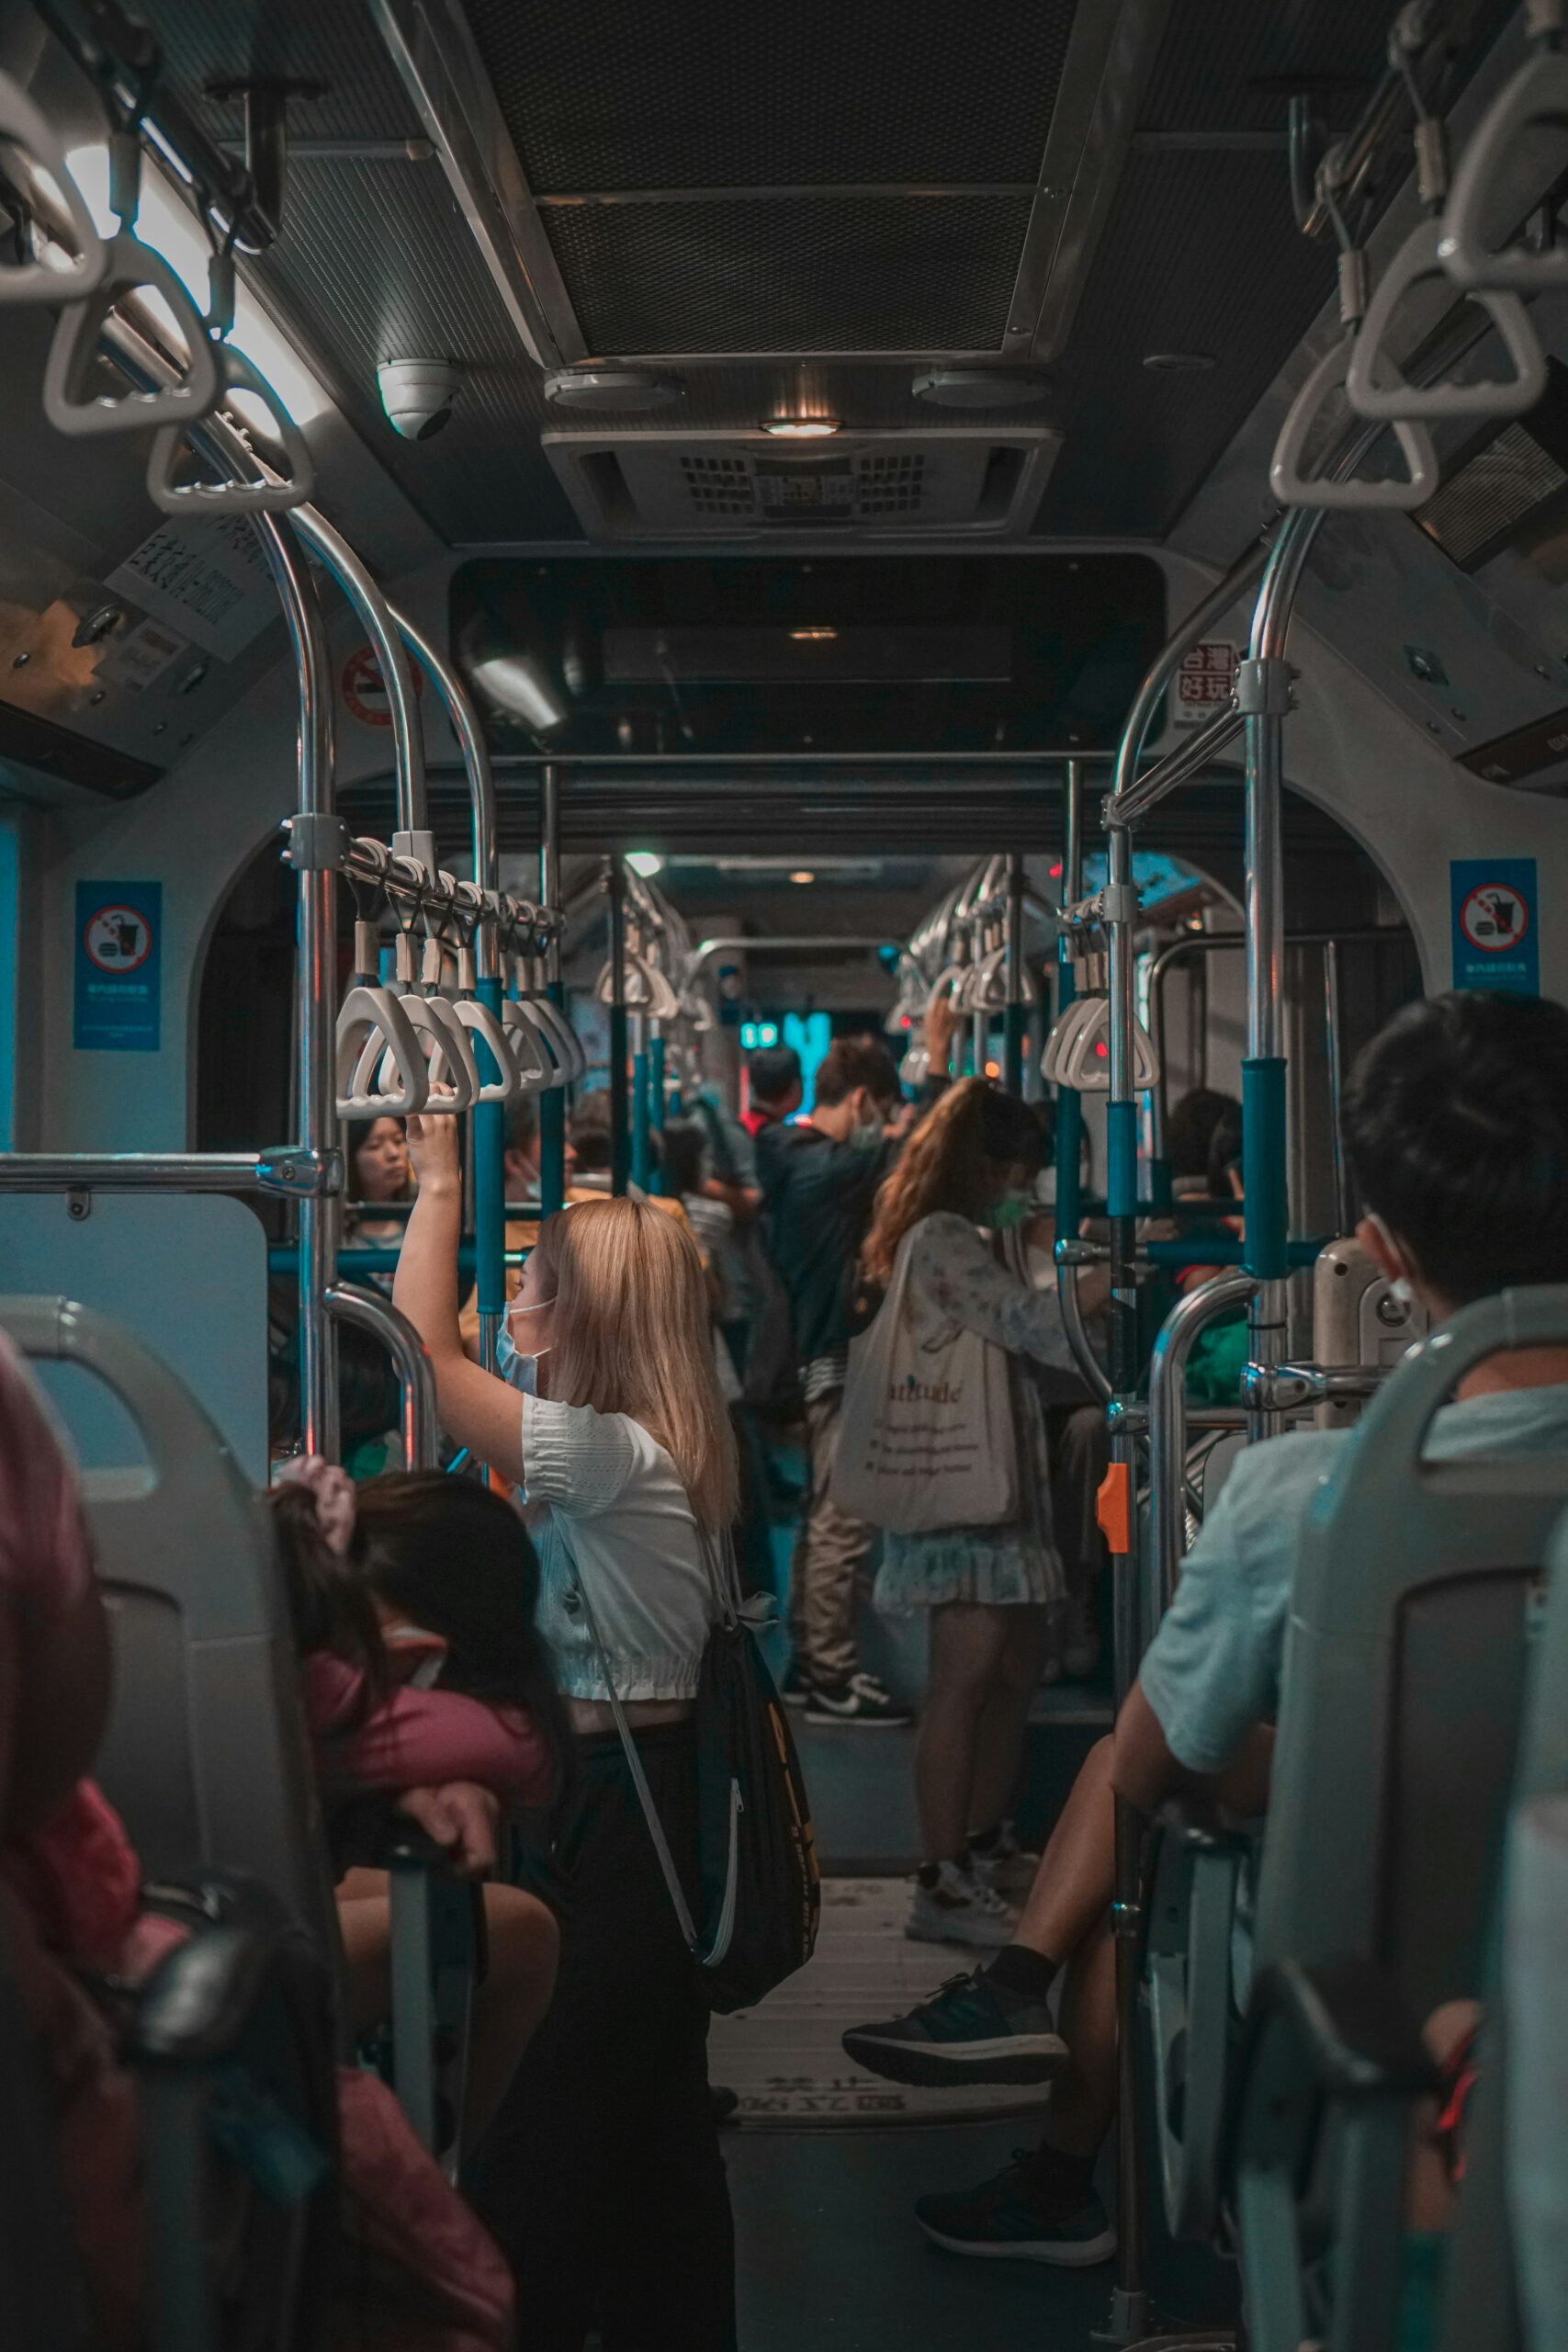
(516, 1365)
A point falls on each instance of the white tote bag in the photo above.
(926, 1435)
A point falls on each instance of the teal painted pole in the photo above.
(490, 1173)
(1263, 1174)
(641, 1152)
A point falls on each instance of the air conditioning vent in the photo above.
(663, 484)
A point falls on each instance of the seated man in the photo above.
(1455, 1125)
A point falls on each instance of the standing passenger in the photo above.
(820, 1178)
(992, 1589)
(600, 2175)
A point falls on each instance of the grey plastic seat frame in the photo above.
(1316, 2151)
(208, 1755)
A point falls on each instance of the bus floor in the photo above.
(828, 2247)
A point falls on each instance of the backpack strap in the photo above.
(639, 1777)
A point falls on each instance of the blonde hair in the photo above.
(631, 1334)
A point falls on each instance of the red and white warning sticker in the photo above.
(1494, 916)
(365, 689)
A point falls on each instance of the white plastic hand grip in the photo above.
(555, 1029)
(1537, 94)
(914, 1068)
(23, 125)
(1292, 488)
(373, 1031)
(69, 400)
(234, 497)
(1063, 1031)
(480, 1022)
(1085, 1068)
(448, 1063)
(1375, 387)
(538, 1070)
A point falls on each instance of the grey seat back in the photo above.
(207, 1757)
(1404, 1676)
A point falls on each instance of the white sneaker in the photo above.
(960, 1909)
(1009, 1869)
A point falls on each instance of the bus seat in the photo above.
(1402, 1698)
(205, 1756)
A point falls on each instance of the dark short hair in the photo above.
(1189, 1129)
(852, 1062)
(682, 1151)
(773, 1073)
(1456, 1124)
(1224, 1149)
(522, 1124)
(590, 1131)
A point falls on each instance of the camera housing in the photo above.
(418, 395)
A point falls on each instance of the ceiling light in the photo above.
(812, 636)
(1178, 363)
(980, 387)
(646, 862)
(519, 684)
(801, 428)
(611, 388)
(165, 224)
(805, 874)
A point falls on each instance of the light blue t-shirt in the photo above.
(1212, 1669)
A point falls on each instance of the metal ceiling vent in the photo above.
(672, 485)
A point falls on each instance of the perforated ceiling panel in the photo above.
(852, 272)
(713, 94)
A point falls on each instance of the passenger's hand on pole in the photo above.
(461, 1818)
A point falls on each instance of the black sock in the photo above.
(1054, 2174)
(985, 1841)
(1018, 1970)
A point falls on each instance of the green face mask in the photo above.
(1013, 1209)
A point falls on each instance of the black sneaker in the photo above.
(971, 2030)
(794, 1688)
(1021, 2217)
(861, 1699)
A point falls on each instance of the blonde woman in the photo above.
(600, 2175)
(992, 1591)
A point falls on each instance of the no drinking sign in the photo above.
(1496, 935)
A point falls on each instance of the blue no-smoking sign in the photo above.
(119, 967)
(1497, 933)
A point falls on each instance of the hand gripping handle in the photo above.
(69, 402)
(1375, 387)
(1292, 488)
(264, 497)
(452, 1063)
(374, 1030)
(1537, 94)
(23, 125)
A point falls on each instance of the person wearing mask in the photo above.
(820, 1178)
(1456, 1128)
(992, 1591)
(601, 2176)
(774, 1089)
(522, 1189)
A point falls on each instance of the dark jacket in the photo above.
(817, 1198)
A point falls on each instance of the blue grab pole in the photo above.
(1267, 1216)
(1122, 1158)
(641, 1154)
(490, 1175)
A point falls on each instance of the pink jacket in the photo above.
(417, 1740)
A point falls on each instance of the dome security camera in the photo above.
(418, 395)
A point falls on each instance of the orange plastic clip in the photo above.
(1113, 1506)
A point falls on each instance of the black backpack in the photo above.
(759, 1896)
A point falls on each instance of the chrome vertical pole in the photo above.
(316, 845)
(413, 837)
(1333, 1046)
(1012, 1061)
(620, 1140)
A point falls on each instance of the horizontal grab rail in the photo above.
(288, 1170)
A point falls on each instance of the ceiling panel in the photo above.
(710, 95)
(849, 272)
